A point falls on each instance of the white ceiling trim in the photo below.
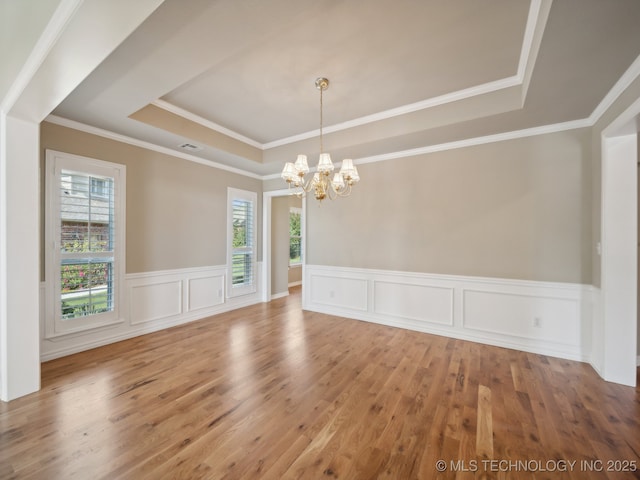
(395, 112)
(529, 33)
(469, 142)
(531, 43)
(52, 32)
(169, 107)
(631, 74)
(621, 85)
(498, 137)
(65, 122)
(515, 80)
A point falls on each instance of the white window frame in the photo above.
(297, 210)
(245, 289)
(54, 325)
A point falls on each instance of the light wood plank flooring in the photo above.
(272, 392)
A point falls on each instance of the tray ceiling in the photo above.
(237, 77)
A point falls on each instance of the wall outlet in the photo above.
(537, 322)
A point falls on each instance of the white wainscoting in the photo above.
(154, 301)
(540, 317)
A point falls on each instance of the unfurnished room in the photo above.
(330, 239)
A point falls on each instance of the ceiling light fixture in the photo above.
(321, 184)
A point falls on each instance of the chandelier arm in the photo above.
(340, 192)
(345, 192)
(296, 190)
(331, 191)
(306, 186)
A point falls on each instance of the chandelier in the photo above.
(321, 183)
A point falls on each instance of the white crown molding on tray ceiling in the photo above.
(526, 61)
(65, 122)
(630, 75)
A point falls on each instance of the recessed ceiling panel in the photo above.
(378, 55)
(249, 66)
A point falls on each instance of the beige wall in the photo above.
(280, 272)
(517, 209)
(176, 209)
(295, 274)
(274, 184)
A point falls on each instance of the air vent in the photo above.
(191, 147)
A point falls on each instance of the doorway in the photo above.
(277, 274)
(615, 353)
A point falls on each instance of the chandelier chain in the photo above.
(321, 145)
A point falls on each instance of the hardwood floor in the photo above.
(272, 392)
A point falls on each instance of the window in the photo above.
(295, 238)
(100, 187)
(85, 235)
(241, 250)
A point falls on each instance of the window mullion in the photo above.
(81, 255)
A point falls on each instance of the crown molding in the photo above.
(470, 142)
(499, 137)
(171, 108)
(402, 110)
(620, 86)
(65, 122)
(515, 80)
(393, 112)
(631, 74)
(529, 33)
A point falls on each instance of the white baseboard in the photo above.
(540, 317)
(279, 295)
(153, 301)
(295, 284)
